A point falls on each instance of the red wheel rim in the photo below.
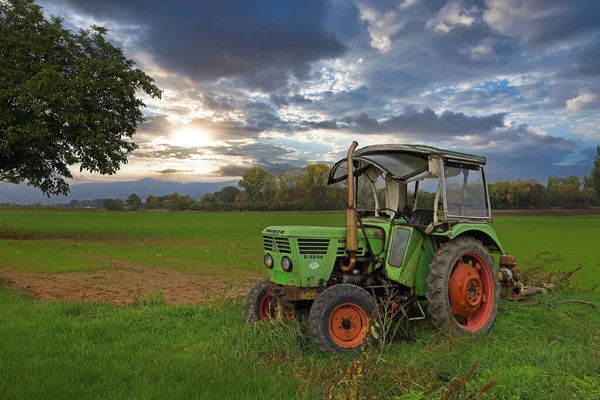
(265, 307)
(348, 325)
(268, 312)
(471, 291)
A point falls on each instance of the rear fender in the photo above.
(482, 232)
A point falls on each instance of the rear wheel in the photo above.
(462, 287)
(340, 318)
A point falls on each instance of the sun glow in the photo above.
(190, 138)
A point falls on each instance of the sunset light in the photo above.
(190, 137)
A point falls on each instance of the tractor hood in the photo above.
(316, 232)
(313, 251)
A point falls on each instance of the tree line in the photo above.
(306, 189)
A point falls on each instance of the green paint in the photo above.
(406, 273)
(427, 253)
(313, 268)
(482, 232)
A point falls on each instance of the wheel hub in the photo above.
(465, 290)
(348, 325)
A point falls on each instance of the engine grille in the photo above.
(277, 244)
(313, 246)
(341, 251)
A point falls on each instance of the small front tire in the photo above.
(259, 303)
(340, 318)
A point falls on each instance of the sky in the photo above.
(281, 84)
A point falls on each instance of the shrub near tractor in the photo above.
(442, 256)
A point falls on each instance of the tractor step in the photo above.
(403, 300)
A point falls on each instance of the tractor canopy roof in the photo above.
(403, 162)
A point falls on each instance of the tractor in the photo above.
(442, 253)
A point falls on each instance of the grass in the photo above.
(219, 243)
(82, 350)
(545, 350)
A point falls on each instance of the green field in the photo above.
(219, 242)
(56, 349)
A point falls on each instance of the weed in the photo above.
(154, 299)
(543, 269)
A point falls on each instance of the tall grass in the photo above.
(73, 350)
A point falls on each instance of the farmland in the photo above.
(182, 333)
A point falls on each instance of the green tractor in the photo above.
(443, 255)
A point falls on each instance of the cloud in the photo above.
(416, 123)
(264, 41)
(173, 171)
(543, 21)
(280, 84)
(231, 170)
(451, 15)
(585, 101)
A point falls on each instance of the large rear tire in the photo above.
(462, 287)
(340, 318)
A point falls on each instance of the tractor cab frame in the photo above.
(461, 181)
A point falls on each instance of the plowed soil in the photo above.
(129, 285)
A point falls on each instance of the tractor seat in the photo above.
(421, 217)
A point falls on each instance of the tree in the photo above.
(593, 179)
(289, 196)
(152, 202)
(256, 181)
(67, 99)
(208, 202)
(113, 205)
(538, 196)
(227, 194)
(181, 203)
(314, 185)
(134, 201)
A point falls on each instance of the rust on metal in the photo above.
(293, 293)
(508, 260)
(508, 276)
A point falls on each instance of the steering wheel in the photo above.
(395, 214)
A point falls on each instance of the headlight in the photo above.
(268, 261)
(286, 264)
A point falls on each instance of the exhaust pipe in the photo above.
(351, 217)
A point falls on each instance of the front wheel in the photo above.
(462, 287)
(340, 317)
(259, 303)
(261, 306)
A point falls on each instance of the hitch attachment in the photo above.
(508, 276)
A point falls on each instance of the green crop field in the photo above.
(59, 349)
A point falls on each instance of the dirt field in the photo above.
(129, 285)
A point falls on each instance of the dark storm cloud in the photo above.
(518, 151)
(264, 41)
(425, 122)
